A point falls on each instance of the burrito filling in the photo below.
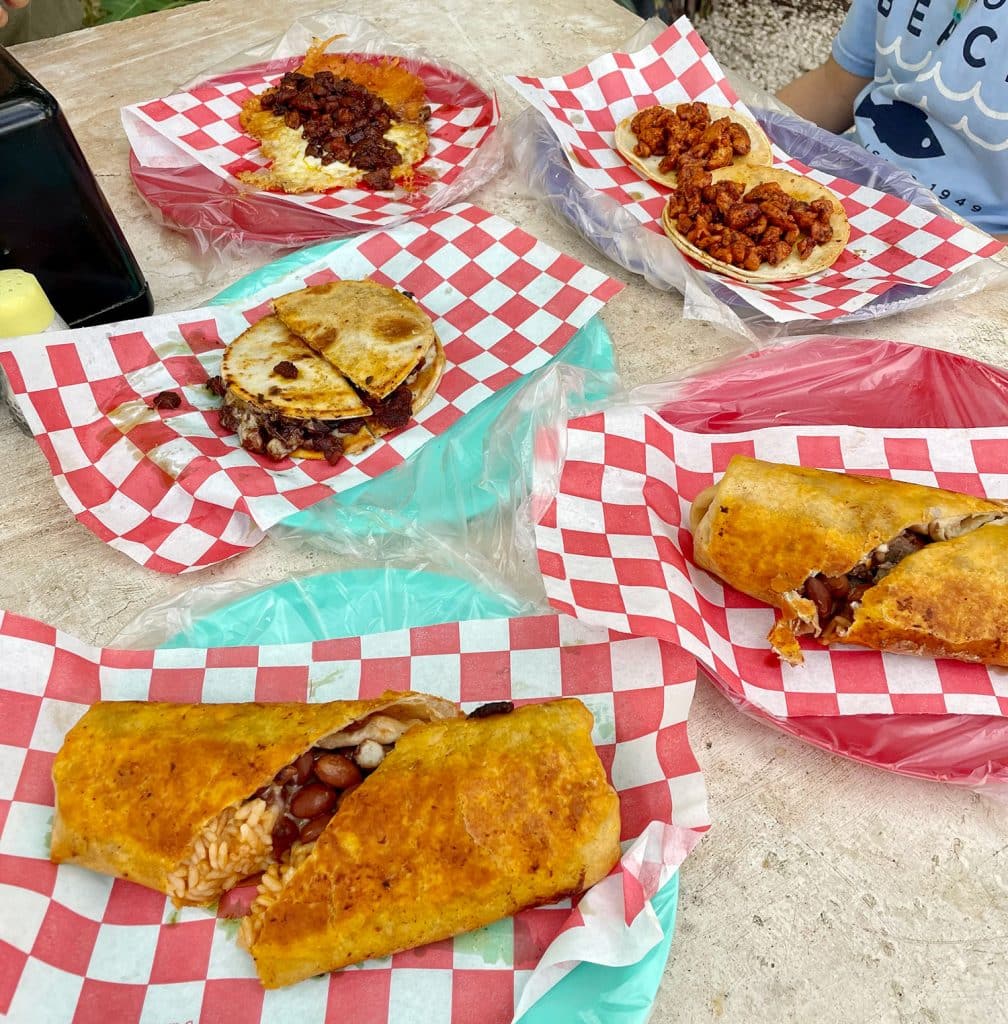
(294, 832)
(291, 811)
(837, 598)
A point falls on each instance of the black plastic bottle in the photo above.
(54, 220)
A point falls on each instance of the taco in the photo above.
(756, 224)
(657, 139)
(339, 120)
(848, 559)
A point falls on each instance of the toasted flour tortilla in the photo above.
(318, 392)
(371, 333)
(792, 268)
(624, 139)
(136, 782)
(463, 823)
(766, 528)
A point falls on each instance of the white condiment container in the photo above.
(25, 310)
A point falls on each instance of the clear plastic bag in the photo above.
(542, 165)
(228, 221)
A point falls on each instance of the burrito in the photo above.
(860, 560)
(372, 826)
(191, 799)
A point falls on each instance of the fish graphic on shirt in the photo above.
(901, 127)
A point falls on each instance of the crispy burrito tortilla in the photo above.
(189, 798)
(464, 822)
(758, 224)
(656, 139)
(860, 560)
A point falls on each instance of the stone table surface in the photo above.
(826, 891)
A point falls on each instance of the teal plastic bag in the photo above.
(467, 470)
(448, 480)
(370, 601)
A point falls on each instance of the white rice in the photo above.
(232, 846)
(272, 883)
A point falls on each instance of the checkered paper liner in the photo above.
(88, 948)
(201, 125)
(892, 243)
(174, 491)
(615, 550)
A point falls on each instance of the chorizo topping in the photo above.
(166, 400)
(745, 229)
(341, 121)
(687, 133)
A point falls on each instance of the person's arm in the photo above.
(4, 4)
(825, 95)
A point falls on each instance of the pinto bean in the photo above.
(285, 832)
(311, 830)
(303, 767)
(816, 591)
(313, 800)
(337, 770)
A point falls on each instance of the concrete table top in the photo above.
(826, 891)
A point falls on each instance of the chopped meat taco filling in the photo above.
(746, 228)
(688, 133)
(276, 436)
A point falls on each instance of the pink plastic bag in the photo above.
(829, 380)
(186, 149)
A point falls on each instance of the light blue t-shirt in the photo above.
(938, 102)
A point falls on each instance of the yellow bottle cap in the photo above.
(24, 308)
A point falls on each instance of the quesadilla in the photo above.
(373, 334)
(337, 121)
(379, 825)
(464, 822)
(657, 139)
(189, 799)
(860, 560)
(282, 399)
(756, 224)
(337, 367)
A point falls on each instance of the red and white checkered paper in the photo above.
(175, 491)
(201, 126)
(615, 550)
(891, 242)
(82, 947)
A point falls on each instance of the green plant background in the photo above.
(99, 12)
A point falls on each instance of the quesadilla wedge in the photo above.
(768, 225)
(189, 799)
(339, 120)
(860, 560)
(282, 399)
(373, 334)
(463, 823)
(657, 138)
